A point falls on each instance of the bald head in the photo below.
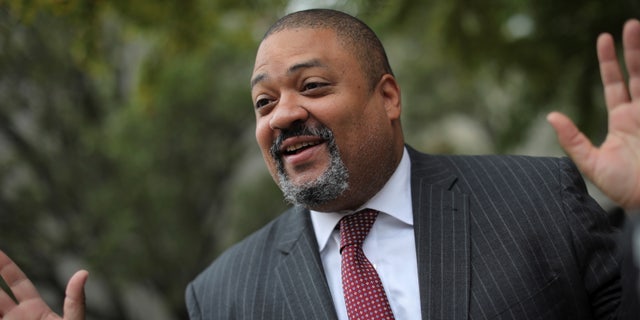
(352, 33)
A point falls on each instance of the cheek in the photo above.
(264, 140)
(263, 133)
(366, 136)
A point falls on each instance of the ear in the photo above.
(390, 91)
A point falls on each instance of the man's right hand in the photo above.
(29, 305)
(614, 166)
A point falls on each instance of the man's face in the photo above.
(324, 134)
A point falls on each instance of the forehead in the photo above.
(283, 49)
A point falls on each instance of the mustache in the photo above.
(298, 130)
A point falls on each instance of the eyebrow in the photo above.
(313, 63)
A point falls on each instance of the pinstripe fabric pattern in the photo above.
(497, 237)
(276, 273)
(630, 250)
(537, 247)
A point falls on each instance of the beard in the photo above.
(332, 183)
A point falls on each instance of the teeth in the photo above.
(299, 146)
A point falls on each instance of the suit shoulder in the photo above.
(260, 245)
(518, 161)
(241, 271)
(512, 166)
(490, 164)
(503, 174)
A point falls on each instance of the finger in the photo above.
(615, 89)
(17, 281)
(631, 42)
(6, 303)
(574, 142)
(74, 303)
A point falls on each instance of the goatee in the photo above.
(328, 186)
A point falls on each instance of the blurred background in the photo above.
(126, 127)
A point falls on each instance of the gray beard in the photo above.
(327, 187)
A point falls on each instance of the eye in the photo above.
(313, 85)
(262, 102)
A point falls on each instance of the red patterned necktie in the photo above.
(363, 291)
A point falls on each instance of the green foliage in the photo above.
(463, 48)
(119, 125)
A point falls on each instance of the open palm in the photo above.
(29, 305)
(614, 166)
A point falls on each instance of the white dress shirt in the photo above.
(390, 246)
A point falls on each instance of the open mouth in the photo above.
(299, 147)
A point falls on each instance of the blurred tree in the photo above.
(502, 62)
(119, 128)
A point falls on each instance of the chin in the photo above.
(308, 176)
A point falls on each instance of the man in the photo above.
(454, 237)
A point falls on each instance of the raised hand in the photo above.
(614, 166)
(30, 305)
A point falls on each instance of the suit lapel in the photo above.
(300, 273)
(441, 222)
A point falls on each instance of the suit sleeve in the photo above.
(630, 260)
(594, 243)
(192, 303)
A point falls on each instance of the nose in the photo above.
(288, 111)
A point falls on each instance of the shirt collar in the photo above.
(393, 199)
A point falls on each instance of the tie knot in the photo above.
(354, 228)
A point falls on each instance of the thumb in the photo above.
(574, 142)
(74, 303)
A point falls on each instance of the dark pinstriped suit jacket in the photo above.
(498, 237)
